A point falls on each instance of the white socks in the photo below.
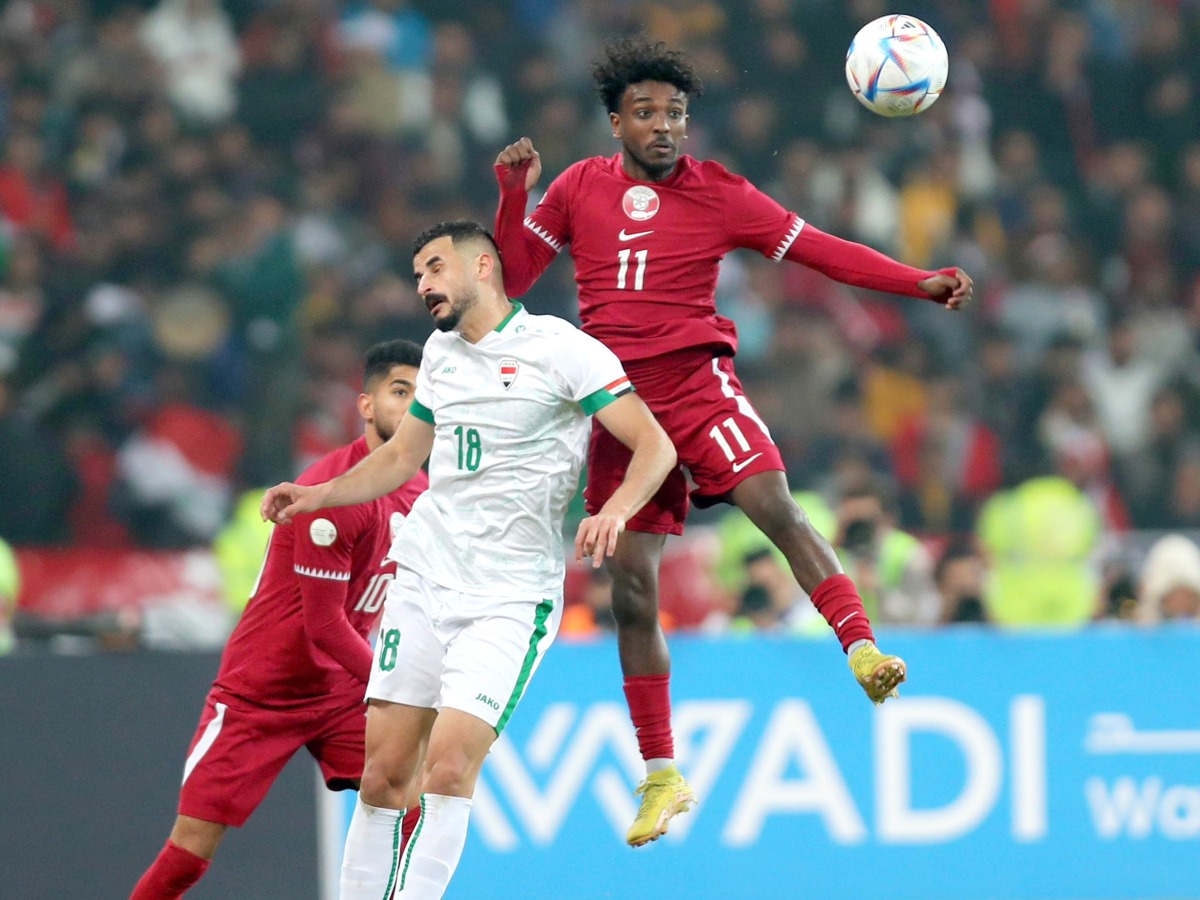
(434, 849)
(372, 855)
(657, 765)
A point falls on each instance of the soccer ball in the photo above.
(896, 66)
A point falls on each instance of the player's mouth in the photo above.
(662, 147)
(433, 301)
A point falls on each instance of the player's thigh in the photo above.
(608, 459)
(396, 737)
(339, 745)
(409, 653)
(458, 745)
(237, 753)
(495, 652)
(719, 436)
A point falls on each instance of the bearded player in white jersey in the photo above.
(503, 401)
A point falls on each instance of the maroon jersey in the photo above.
(647, 253)
(302, 638)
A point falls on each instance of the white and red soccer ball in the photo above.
(897, 66)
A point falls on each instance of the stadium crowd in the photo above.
(207, 211)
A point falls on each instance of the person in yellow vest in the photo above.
(10, 585)
(239, 548)
(1040, 538)
(892, 568)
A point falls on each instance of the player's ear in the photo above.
(615, 120)
(366, 407)
(485, 264)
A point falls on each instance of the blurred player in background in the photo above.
(296, 667)
(503, 404)
(647, 229)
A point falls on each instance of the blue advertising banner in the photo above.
(1058, 766)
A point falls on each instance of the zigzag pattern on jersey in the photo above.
(543, 234)
(788, 239)
(322, 573)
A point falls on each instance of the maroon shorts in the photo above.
(240, 749)
(720, 439)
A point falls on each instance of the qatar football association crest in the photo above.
(640, 203)
(508, 372)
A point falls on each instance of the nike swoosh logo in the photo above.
(738, 466)
(847, 619)
(637, 234)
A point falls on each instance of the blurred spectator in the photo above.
(593, 615)
(32, 197)
(1041, 538)
(946, 460)
(194, 44)
(10, 586)
(176, 472)
(1121, 381)
(961, 578)
(1169, 588)
(239, 549)
(37, 488)
(893, 571)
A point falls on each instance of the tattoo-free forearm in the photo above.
(379, 472)
(653, 459)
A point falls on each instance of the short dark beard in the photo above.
(656, 171)
(450, 321)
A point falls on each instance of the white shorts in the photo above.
(476, 653)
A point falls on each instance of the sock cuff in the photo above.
(195, 859)
(647, 680)
(837, 600)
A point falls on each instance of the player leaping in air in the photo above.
(647, 229)
(296, 667)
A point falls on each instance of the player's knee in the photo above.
(635, 596)
(384, 786)
(197, 836)
(450, 773)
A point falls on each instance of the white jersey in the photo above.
(511, 417)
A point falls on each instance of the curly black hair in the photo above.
(634, 60)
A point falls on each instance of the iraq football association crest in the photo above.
(508, 372)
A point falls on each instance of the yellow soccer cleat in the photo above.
(878, 673)
(665, 793)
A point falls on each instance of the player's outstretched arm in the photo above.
(630, 421)
(863, 266)
(525, 255)
(379, 473)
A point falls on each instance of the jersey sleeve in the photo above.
(321, 556)
(528, 244)
(422, 402)
(856, 264)
(757, 221)
(591, 373)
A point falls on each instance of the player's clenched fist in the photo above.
(519, 158)
(954, 292)
(285, 501)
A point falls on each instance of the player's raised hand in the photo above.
(597, 537)
(952, 291)
(520, 159)
(285, 501)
